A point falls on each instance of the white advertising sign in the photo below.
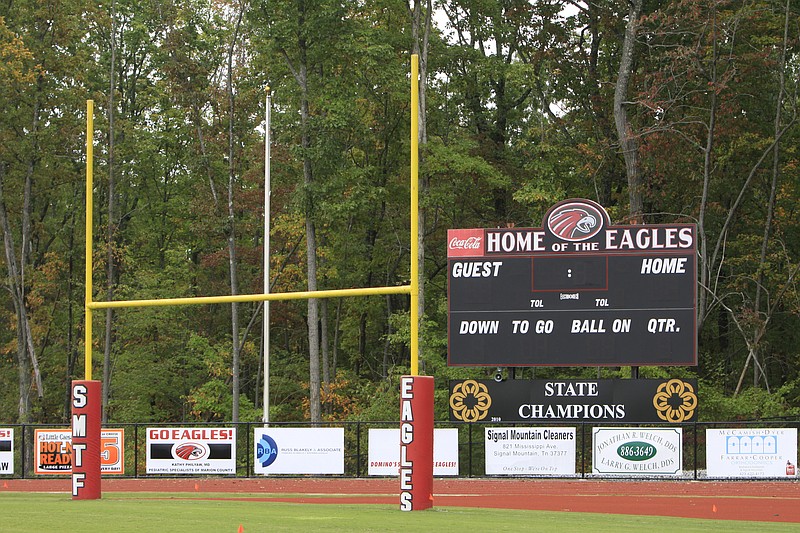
(6, 451)
(637, 451)
(191, 450)
(530, 451)
(299, 451)
(751, 453)
(384, 452)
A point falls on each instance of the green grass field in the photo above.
(198, 513)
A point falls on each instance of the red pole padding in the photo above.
(416, 443)
(86, 424)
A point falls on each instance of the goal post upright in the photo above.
(89, 236)
(414, 215)
(86, 396)
(416, 392)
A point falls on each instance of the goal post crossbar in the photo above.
(259, 297)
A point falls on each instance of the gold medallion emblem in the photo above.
(470, 401)
(675, 401)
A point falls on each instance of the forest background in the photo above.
(661, 111)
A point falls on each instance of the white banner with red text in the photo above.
(384, 452)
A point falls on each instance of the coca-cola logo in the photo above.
(470, 243)
(464, 242)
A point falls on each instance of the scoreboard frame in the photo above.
(575, 292)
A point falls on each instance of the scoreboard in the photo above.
(577, 292)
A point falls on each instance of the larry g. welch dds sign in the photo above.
(637, 451)
(602, 400)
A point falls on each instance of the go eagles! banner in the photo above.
(191, 450)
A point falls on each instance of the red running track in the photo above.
(725, 500)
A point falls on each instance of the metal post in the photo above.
(267, 194)
(88, 259)
(414, 215)
(695, 450)
(136, 450)
(469, 426)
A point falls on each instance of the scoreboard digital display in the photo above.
(577, 292)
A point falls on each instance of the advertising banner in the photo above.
(6, 451)
(112, 451)
(53, 453)
(384, 452)
(191, 450)
(530, 451)
(637, 451)
(601, 400)
(299, 451)
(751, 453)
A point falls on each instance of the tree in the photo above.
(625, 134)
(714, 44)
(39, 135)
(16, 72)
(421, 30)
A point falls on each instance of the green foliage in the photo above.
(751, 404)
(518, 116)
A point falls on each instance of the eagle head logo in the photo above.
(190, 451)
(575, 221)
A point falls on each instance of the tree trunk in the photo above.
(23, 363)
(300, 73)
(25, 355)
(627, 140)
(323, 331)
(28, 366)
(232, 258)
(773, 187)
(311, 252)
(421, 21)
(110, 230)
(72, 349)
(706, 263)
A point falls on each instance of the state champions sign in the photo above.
(601, 400)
